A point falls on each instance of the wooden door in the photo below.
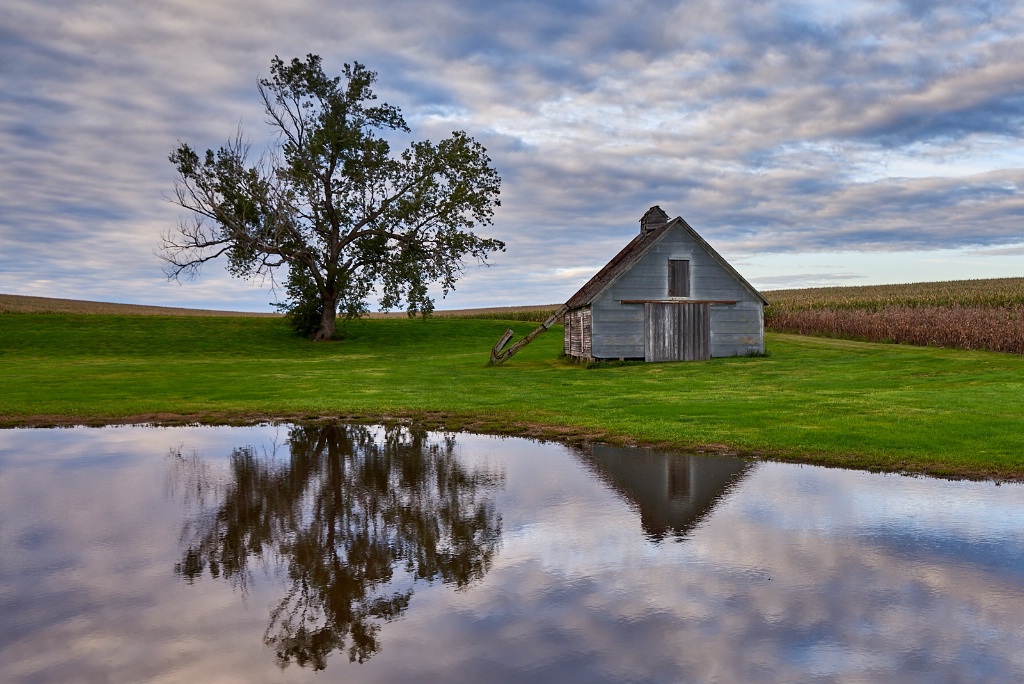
(677, 331)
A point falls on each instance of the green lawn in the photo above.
(818, 400)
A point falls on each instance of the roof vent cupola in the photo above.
(654, 218)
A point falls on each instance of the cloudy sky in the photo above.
(810, 143)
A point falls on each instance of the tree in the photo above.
(332, 203)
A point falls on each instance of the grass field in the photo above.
(890, 407)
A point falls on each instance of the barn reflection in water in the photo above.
(673, 492)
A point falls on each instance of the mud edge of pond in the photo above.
(476, 424)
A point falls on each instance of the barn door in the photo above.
(677, 331)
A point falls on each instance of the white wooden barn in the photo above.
(667, 296)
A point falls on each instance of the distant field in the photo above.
(25, 304)
(534, 313)
(959, 314)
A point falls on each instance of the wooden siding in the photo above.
(577, 340)
(618, 329)
(679, 278)
(586, 321)
(570, 322)
(737, 330)
(677, 331)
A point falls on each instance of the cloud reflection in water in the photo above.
(603, 573)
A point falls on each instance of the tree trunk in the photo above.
(327, 320)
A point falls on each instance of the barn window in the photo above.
(678, 278)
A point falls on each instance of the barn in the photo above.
(667, 296)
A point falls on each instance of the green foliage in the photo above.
(344, 214)
(303, 308)
(892, 407)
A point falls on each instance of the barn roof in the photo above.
(636, 248)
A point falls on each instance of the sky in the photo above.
(811, 143)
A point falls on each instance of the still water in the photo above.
(362, 554)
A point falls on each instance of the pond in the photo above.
(295, 553)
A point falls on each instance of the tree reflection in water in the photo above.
(350, 506)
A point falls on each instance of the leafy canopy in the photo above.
(333, 204)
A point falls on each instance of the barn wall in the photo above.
(618, 329)
(577, 336)
(569, 327)
(737, 330)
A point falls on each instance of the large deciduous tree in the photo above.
(332, 203)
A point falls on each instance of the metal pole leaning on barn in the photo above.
(498, 356)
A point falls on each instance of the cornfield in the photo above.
(964, 314)
(529, 315)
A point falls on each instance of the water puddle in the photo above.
(365, 554)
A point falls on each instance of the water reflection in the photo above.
(673, 492)
(353, 519)
(784, 573)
